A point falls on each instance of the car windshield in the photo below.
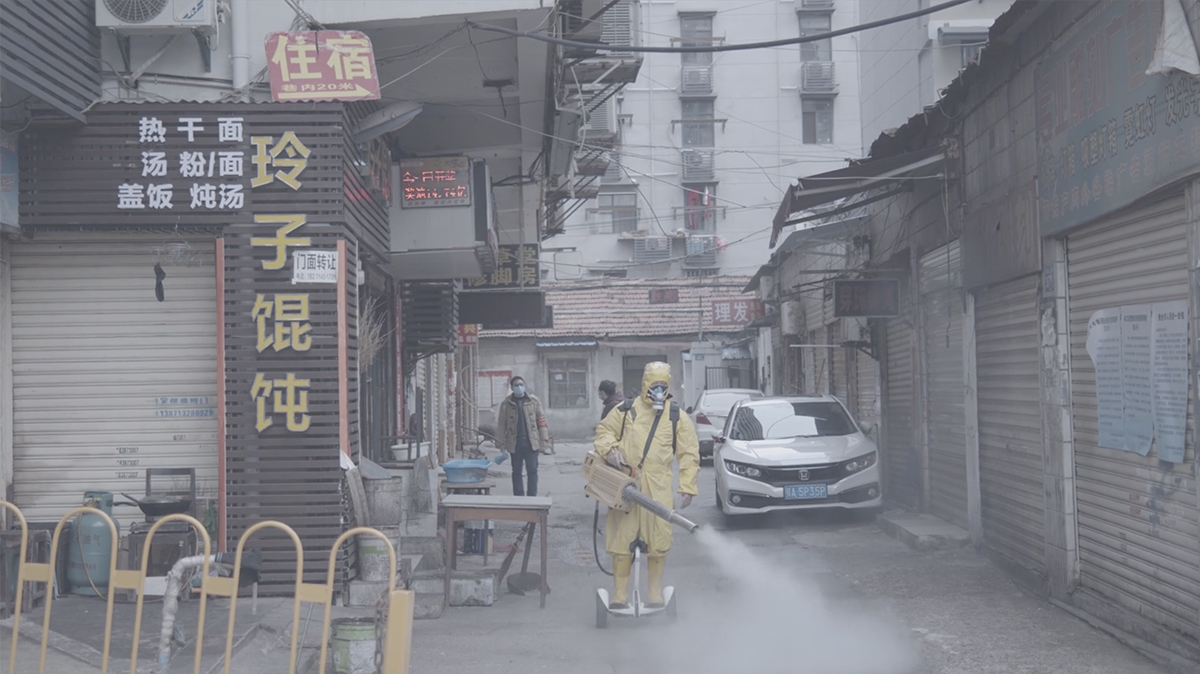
(785, 420)
(724, 401)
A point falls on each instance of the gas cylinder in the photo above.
(90, 550)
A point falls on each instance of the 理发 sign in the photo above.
(735, 313)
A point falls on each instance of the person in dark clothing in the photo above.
(611, 397)
(523, 433)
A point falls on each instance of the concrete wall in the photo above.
(759, 148)
(605, 361)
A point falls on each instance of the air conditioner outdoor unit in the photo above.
(157, 16)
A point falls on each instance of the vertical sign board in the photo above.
(9, 192)
(1108, 133)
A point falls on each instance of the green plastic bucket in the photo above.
(353, 645)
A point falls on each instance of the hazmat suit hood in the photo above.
(655, 372)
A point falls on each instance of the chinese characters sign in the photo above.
(327, 65)
(435, 181)
(8, 179)
(314, 266)
(735, 313)
(866, 299)
(214, 172)
(1108, 133)
(1140, 354)
(516, 267)
(468, 334)
(664, 296)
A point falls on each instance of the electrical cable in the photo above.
(595, 542)
(715, 49)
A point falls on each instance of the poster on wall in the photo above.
(1140, 356)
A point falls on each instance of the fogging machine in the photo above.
(619, 490)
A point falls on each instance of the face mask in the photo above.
(658, 395)
(519, 391)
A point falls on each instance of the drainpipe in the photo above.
(239, 11)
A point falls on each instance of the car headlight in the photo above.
(861, 463)
(743, 469)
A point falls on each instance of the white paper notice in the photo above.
(1104, 347)
(314, 266)
(1170, 352)
(1136, 375)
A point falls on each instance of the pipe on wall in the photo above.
(239, 51)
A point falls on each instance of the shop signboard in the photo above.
(735, 313)
(866, 298)
(325, 65)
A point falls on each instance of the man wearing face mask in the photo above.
(523, 433)
(644, 437)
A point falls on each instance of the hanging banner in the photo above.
(327, 65)
(1141, 361)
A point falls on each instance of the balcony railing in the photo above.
(700, 218)
(698, 165)
(818, 77)
(816, 5)
(696, 80)
(701, 251)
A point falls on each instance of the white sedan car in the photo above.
(794, 453)
(712, 409)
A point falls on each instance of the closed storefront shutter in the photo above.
(901, 463)
(1010, 421)
(108, 380)
(941, 295)
(838, 378)
(1136, 515)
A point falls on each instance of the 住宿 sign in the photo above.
(327, 65)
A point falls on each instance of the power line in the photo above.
(714, 49)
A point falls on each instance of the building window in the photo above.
(699, 208)
(816, 24)
(698, 123)
(620, 209)
(817, 119)
(568, 383)
(700, 273)
(970, 52)
(696, 30)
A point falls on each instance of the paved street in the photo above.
(821, 593)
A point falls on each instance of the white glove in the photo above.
(615, 459)
(685, 500)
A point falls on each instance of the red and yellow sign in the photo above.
(327, 65)
(468, 334)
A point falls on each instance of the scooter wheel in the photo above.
(601, 614)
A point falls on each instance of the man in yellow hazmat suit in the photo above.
(645, 436)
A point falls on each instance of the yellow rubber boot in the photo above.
(622, 566)
(655, 594)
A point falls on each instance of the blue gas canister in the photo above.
(89, 553)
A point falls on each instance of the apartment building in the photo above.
(702, 145)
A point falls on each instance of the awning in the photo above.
(758, 276)
(565, 343)
(824, 188)
(764, 321)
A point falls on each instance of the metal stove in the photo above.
(173, 540)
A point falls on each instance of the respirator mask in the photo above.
(658, 396)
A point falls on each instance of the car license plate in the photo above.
(798, 492)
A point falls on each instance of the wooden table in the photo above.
(529, 509)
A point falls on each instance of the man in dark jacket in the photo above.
(611, 397)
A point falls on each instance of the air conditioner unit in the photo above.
(157, 16)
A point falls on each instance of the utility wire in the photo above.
(713, 49)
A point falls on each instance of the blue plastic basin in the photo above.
(466, 471)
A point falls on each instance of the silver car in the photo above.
(795, 453)
(712, 409)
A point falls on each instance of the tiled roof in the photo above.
(621, 308)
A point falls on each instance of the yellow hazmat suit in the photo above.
(655, 479)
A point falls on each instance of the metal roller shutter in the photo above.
(902, 466)
(1137, 517)
(838, 376)
(945, 387)
(107, 380)
(1010, 421)
(864, 387)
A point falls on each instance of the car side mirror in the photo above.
(719, 439)
(689, 410)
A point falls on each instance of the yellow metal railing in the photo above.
(397, 635)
